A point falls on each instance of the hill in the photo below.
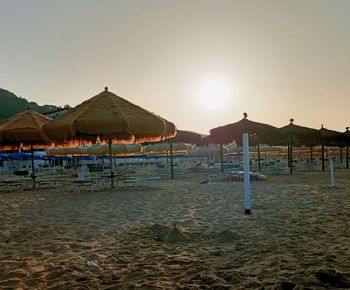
(11, 105)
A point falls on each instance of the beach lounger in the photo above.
(14, 184)
(132, 181)
(79, 183)
(46, 183)
(83, 182)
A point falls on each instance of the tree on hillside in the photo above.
(12, 105)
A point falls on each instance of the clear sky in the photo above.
(197, 63)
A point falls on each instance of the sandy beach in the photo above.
(297, 237)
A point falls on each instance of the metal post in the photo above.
(290, 153)
(246, 185)
(171, 160)
(259, 159)
(33, 169)
(222, 158)
(332, 171)
(111, 161)
(341, 154)
(322, 155)
(311, 154)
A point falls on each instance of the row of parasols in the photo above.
(108, 119)
(117, 149)
(289, 135)
(158, 148)
(104, 118)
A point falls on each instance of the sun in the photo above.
(214, 94)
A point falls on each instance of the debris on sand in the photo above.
(333, 278)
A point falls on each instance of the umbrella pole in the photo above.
(347, 155)
(322, 155)
(259, 159)
(311, 154)
(111, 161)
(222, 158)
(125, 165)
(246, 178)
(291, 154)
(171, 160)
(33, 170)
(341, 154)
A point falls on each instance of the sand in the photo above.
(297, 237)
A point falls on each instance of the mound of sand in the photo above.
(168, 235)
(227, 236)
(159, 232)
(176, 236)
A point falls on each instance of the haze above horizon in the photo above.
(197, 63)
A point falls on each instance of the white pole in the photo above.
(332, 171)
(246, 185)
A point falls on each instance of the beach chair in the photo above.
(82, 182)
(46, 183)
(96, 172)
(130, 182)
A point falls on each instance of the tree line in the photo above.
(12, 105)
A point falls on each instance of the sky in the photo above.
(197, 63)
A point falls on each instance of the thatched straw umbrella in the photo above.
(77, 150)
(263, 133)
(117, 149)
(165, 148)
(53, 152)
(168, 147)
(24, 130)
(260, 133)
(188, 137)
(182, 137)
(209, 150)
(292, 134)
(109, 118)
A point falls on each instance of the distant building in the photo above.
(56, 113)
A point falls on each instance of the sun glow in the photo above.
(214, 94)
